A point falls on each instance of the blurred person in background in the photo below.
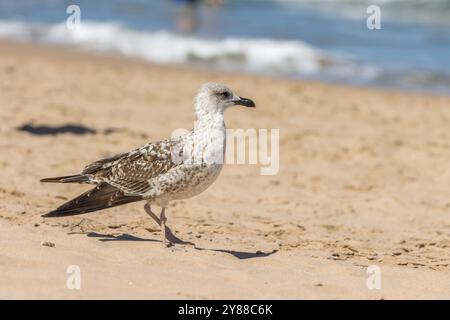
(186, 14)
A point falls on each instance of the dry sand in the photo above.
(364, 180)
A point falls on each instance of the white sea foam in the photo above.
(243, 54)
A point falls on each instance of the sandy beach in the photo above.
(364, 180)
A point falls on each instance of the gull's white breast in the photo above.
(204, 153)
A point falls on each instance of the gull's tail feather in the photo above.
(103, 196)
(79, 178)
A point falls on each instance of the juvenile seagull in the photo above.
(161, 171)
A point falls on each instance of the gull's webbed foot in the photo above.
(168, 239)
(173, 239)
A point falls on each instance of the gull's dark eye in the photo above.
(224, 95)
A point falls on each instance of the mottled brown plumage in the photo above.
(120, 179)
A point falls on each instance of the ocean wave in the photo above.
(412, 11)
(289, 57)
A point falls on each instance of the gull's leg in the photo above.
(163, 219)
(149, 211)
(168, 238)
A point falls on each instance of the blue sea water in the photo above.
(321, 40)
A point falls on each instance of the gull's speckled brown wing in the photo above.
(131, 171)
(120, 179)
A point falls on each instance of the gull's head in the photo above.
(215, 97)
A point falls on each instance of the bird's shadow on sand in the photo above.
(241, 255)
(112, 237)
